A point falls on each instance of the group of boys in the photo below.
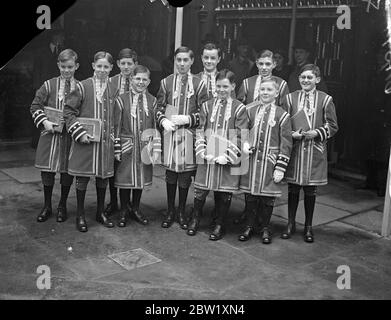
(197, 129)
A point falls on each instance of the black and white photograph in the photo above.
(209, 152)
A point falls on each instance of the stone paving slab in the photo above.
(322, 214)
(4, 177)
(371, 221)
(133, 259)
(24, 174)
(354, 202)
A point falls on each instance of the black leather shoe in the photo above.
(168, 219)
(105, 220)
(45, 213)
(266, 236)
(289, 231)
(246, 235)
(111, 209)
(81, 224)
(241, 218)
(308, 234)
(193, 226)
(139, 217)
(182, 220)
(217, 233)
(62, 214)
(123, 218)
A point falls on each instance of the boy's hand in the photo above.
(180, 120)
(278, 175)
(86, 138)
(309, 135)
(247, 149)
(155, 157)
(117, 157)
(297, 135)
(207, 157)
(49, 126)
(221, 160)
(168, 125)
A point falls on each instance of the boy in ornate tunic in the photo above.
(53, 146)
(249, 90)
(137, 143)
(221, 118)
(126, 62)
(269, 147)
(181, 95)
(308, 164)
(93, 99)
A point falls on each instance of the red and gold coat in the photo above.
(53, 149)
(119, 83)
(247, 90)
(308, 163)
(136, 139)
(178, 146)
(226, 121)
(271, 137)
(97, 158)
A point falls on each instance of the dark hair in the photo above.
(140, 69)
(211, 46)
(128, 53)
(265, 54)
(184, 50)
(280, 52)
(67, 54)
(103, 55)
(272, 80)
(226, 74)
(311, 67)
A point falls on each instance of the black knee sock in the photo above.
(64, 196)
(309, 206)
(293, 202)
(266, 215)
(136, 197)
(124, 196)
(47, 191)
(182, 198)
(113, 193)
(171, 191)
(100, 199)
(80, 196)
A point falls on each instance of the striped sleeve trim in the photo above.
(81, 90)
(284, 117)
(77, 131)
(282, 162)
(120, 103)
(240, 108)
(39, 117)
(323, 133)
(117, 146)
(194, 120)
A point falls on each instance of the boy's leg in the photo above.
(184, 182)
(101, 216)
(309, 206)
(199, 201)
(48, 183)
(266, 208)
(137, 214)
(224, 202)
(171, 184)
(293, 202)
(112, 207)
(124, 196)
(81, 188)
(243, 216)
(251, 207)
(66, 181)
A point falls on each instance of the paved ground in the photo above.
(148, 262)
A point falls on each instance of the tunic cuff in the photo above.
(282, 163)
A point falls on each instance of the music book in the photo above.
(216, 146)
(171, 111)
(92, 126)
(56, 116)
(299, 121)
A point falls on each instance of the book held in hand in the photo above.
(171, 111)
(92, 126)
(299, 121)
(216, 146)
(55, 115)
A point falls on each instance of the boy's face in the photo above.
(279, 59)
(183, 62)
(67, 68)
(210, 59)
(301, 56)
(268, 92)
(102, 68)
(140, 82)
(126, 66)
(308, 80)
(224, 88)
(266, 66)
